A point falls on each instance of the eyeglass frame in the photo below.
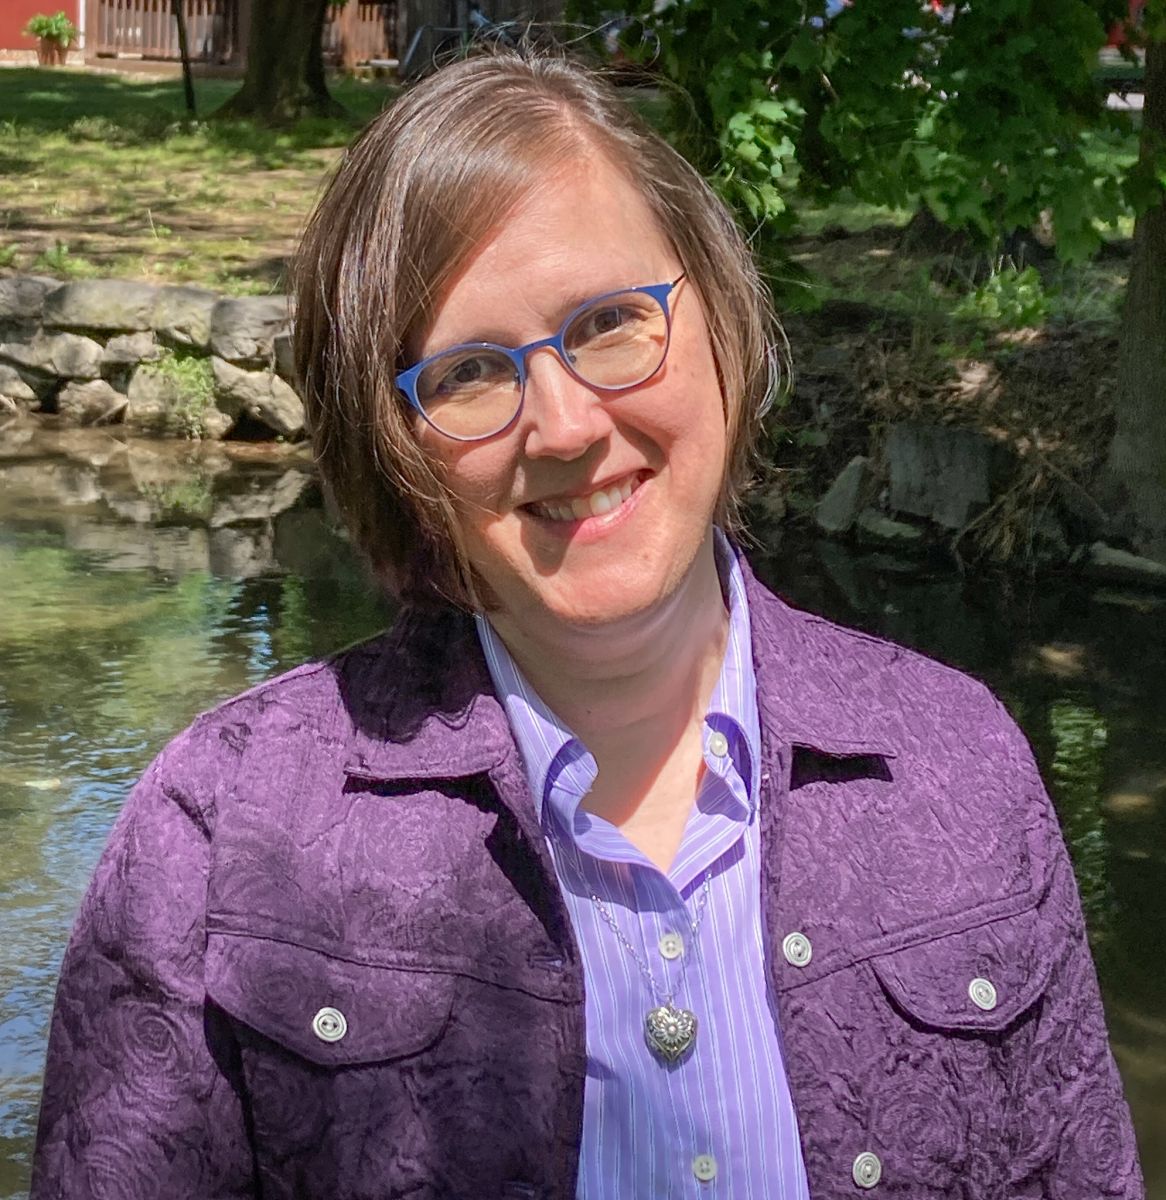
(406, 381)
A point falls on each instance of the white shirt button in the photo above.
(983, 994)
(797, 949)
(704, 1167)
(329, 1025)
(671, 946)
(718, 744)
(867, 1169)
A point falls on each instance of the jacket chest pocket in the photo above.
(334, 1057)
(925, 1049)
(371, 1080)
(978, 980)
(327, 1010)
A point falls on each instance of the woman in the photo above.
(637, 882)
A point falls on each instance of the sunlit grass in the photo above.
(105, 174)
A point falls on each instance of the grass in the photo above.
(102, 174)
(858, 252)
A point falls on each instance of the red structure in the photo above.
(14, 15)
(1119, 33)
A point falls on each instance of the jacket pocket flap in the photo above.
(328, 1010)
(976, 980)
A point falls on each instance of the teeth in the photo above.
(596, 505)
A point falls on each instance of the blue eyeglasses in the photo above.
(611, 342)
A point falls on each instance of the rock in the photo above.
(216, 424)
(264, 499)
(22, 296)
(1107, 562)
(182, 315)
(243, 330)
(14, 385)
(1084, 514)
(940, 473)
(284, 365)
(261, 395)
(151, 396)
(60, 483)
(129, 349)
(88, 447)
(875, 527)
(159, 403)
(63, 355)
(241, 552)
(838, 509)
(1050, 544)
(18, 442)
(90, 403)
(171, 548)
(114, 305)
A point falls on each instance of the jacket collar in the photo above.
(813, 686)
(421, 702)
(423, 705)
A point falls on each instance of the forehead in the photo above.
(583, 229)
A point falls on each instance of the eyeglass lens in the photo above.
(614, 342)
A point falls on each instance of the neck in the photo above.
(632, 693)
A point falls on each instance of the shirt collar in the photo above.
(559, 768)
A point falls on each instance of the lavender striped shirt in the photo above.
(721, 1123)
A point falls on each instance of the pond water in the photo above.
(142, 582)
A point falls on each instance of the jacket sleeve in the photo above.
(142, 1093)
(1073, 1132)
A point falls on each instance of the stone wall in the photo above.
(181, 361)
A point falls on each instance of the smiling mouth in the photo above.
(595, 504)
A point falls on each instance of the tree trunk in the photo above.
(1134, 478)
(284, 80)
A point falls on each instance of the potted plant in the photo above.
(54, 36)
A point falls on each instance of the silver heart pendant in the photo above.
(670, 1031)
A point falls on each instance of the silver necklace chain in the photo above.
(645, 970)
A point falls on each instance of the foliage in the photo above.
(59, 261)
(194, 382)
(986, 119)
(56, 28)
(1009, 298)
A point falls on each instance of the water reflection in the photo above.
(143, 582)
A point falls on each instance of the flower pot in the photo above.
(50, 52)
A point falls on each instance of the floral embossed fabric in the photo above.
(357, 835)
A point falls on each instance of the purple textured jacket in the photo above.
(358, 836)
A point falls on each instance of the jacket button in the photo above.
(983, 994)
(329, 1025)
(797, 949)
(867, 1169)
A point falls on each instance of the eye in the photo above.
(597, 322)
(469, 370)
(467, 373)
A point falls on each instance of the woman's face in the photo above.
(586, 231)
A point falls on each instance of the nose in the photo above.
(563, 416)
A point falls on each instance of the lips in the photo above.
(594, 504)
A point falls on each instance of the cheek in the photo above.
(478, 476)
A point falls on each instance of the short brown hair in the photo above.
(418, 191)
